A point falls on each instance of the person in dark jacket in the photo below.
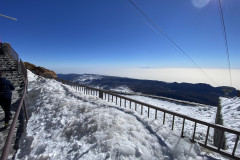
(6, 88)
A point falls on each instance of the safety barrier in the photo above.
(121, 101)
(10, 51)
(7, 145)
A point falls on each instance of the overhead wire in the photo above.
(225, 39)
(2, 15)
(173, 43)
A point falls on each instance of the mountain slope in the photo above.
(199, 93)
(65, 124)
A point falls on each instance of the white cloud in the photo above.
(189, 75)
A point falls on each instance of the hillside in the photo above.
(66, 124)
(199, 93)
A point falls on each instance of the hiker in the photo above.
(6, 88)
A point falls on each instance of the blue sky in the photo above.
(112, 33)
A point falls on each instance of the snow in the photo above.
(123, 89)
(206, 113)
(66, 124)
(231, 118)
(86, 78)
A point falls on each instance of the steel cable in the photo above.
(225, 38)
(174, 44)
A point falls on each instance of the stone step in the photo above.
(9, 62)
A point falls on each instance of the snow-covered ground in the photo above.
(123, 89)
(205, 113)
(231, 118)
(66, 124)
(86, 78)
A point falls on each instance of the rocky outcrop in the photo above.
(41, 71)
(238, 93)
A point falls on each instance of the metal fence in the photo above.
(23, 69)
(121, 101)
(11, 53)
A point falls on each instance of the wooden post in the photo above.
(164, 114)
(235, 146)
(101, 94)
(173, 122)
(207, 136)
(183, 128)
(155, 113)
(148, 111)
(193, 138)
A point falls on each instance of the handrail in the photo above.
(11, 52)
(8, 142)
(103, 94)
(23, 69)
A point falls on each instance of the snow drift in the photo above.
(66, 124)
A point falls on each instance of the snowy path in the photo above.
(4, 131)
(206, 113)
(66, 124)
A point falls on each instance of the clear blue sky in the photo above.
(112, 33)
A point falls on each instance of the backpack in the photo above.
(4, 88)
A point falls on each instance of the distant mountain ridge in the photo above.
(199, 93)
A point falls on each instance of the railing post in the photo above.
(183, 128)
(148, 111)
(207, 136)
(155, 113)
(193, 138)
(235, 146)
(164, 114)
(173, 122)
(25, 110)
(101, 94)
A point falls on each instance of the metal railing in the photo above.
(23, 69)
(11, 53)
(7, 145)
(121, 101)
